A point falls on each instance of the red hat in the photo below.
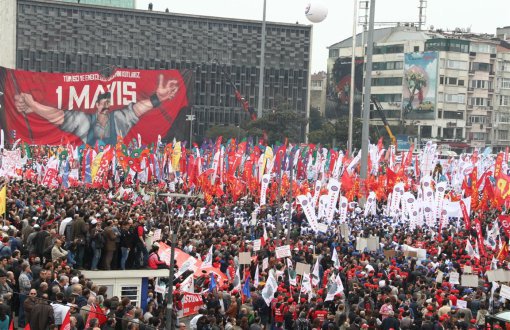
(430, 308)
(290, 301)
(280, 298)
(303, 300)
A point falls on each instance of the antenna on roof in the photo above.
(422, 17)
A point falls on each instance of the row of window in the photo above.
(451, 81)
(448, 45)
(388, 49)
(453, 64)
(391, 65)
(387, 81)
(483, 84)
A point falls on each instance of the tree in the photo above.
(337, 133)
(227, 132)
(316, 119)
(279, 124)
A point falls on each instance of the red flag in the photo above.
(503, 253)
(11, 325)
(481, 244)
(66, 324)
(27, 327)
(465, 215)
(504, 220)
(90, 317)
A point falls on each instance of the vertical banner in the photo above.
(85, 108)
(308, 210)
(420, 85)
(339, 88)
(333, 192)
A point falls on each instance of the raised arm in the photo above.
(25, 103)
(163, 93)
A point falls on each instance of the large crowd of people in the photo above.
(51, 235)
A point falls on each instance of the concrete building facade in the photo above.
(472, 84)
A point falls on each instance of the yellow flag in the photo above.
(3, 199)
(95, 165)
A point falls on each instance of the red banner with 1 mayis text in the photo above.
(88, 108)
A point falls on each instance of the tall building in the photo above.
(318, 92)
(55, 36)
(433, 85)
(130, 4)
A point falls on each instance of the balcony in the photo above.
(491, 90)
(492, 73)
(471, 71)
(472, 54)
(470, 89)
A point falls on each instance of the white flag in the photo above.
(208, 259)
(306, 286)
(469, 249)
(315, 273)
(188, 285)
(335, 259)
(269, 289)
(256, 279)
(335, 286)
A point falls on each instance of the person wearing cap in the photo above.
(96, 242)
(105, 124)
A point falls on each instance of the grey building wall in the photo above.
(63, 37)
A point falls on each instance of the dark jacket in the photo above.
(41, 316)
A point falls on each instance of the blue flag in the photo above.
(246, 288)
(212, 283)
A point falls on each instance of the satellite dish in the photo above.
(316, 11)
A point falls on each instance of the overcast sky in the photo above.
(481, 16)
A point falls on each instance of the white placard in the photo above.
(461, 303)
(361, 243)
(265, 264)
(160, 289)
(468, 270)
(322, 227)
(491, 276)
(244, 258)
(500, 275)
(157, 235)
(505, 291)
(283, 251)
(256, 245)
(373, 243)
(439, 277)
(454, 278)
(470, 281)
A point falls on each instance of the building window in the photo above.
(504, 118)
(416, 49)
(457, 65)
(389, 49)
(504, 83)
(503, 135)
(452, 81)
(391, 65)
(479, 101)
(504, 100)
(477, 119)
(132, 292)
(483, 84)
(387, 81)
(483, 48)
(334, 53)
(461, 82)
(389, 97)
(455, 98)
(479, 136)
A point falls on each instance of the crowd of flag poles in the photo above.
(410, 184)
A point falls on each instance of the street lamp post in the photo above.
(352, 89)
(190, 118)
(367, 92)
(260, 104)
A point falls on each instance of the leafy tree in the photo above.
(227, 132)
(337, 133)
(281, 123)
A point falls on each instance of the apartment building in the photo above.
(449, 87)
